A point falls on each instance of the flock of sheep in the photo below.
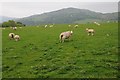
(13, 35)
(62, 36)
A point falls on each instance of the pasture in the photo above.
(39, 54)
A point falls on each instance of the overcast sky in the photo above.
(24, 9)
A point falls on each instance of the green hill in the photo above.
(67, 15)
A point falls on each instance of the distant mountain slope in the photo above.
(67, 15)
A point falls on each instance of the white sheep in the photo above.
(10, 27)
(90, 31)
(51, 25)
(45, 26)
(69, 25)
(11, 35)
(65, 35)
(3, 28)
(108, 21)
(76, 26)
(17, 37)
(14, 28)
(97, 23)
(20, 27)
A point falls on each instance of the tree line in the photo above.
(12, 23)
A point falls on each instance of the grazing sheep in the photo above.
(20, 27)
(3, 28)
(14, 28)
(108, 21)
(65, 35)
(17, 37)
(90, 31)
(45, 26)
(51, 25)
(76, 26)
(97, 23)
(11, 35)
(10, 27)
(69, 25)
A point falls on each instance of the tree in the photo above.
(5, 24)
(12, 23)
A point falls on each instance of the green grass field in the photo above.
(39, 54)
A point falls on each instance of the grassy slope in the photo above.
(39, 53)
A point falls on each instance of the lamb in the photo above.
(65, 35)
(11, 35)
(17, 37)
(90, 31)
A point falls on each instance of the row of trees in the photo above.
(12, 23)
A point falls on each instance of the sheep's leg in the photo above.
(11, 38)
(88, 34)
(92, 34)
(69, 39)
(62, 40)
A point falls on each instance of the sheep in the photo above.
(10, 27)
(45, 26)
(90, 31)
(65, 35)
(20, 27)
(11, 35)
(17, 37)
(69, 25)
(51, 25)
(3, 28)
(14, 28)
(108, 21)
(97, 23)
(76, 26)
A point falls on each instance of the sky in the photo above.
(24, 9)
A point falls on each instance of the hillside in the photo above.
(67, 15)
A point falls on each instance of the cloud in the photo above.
(23, 9)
